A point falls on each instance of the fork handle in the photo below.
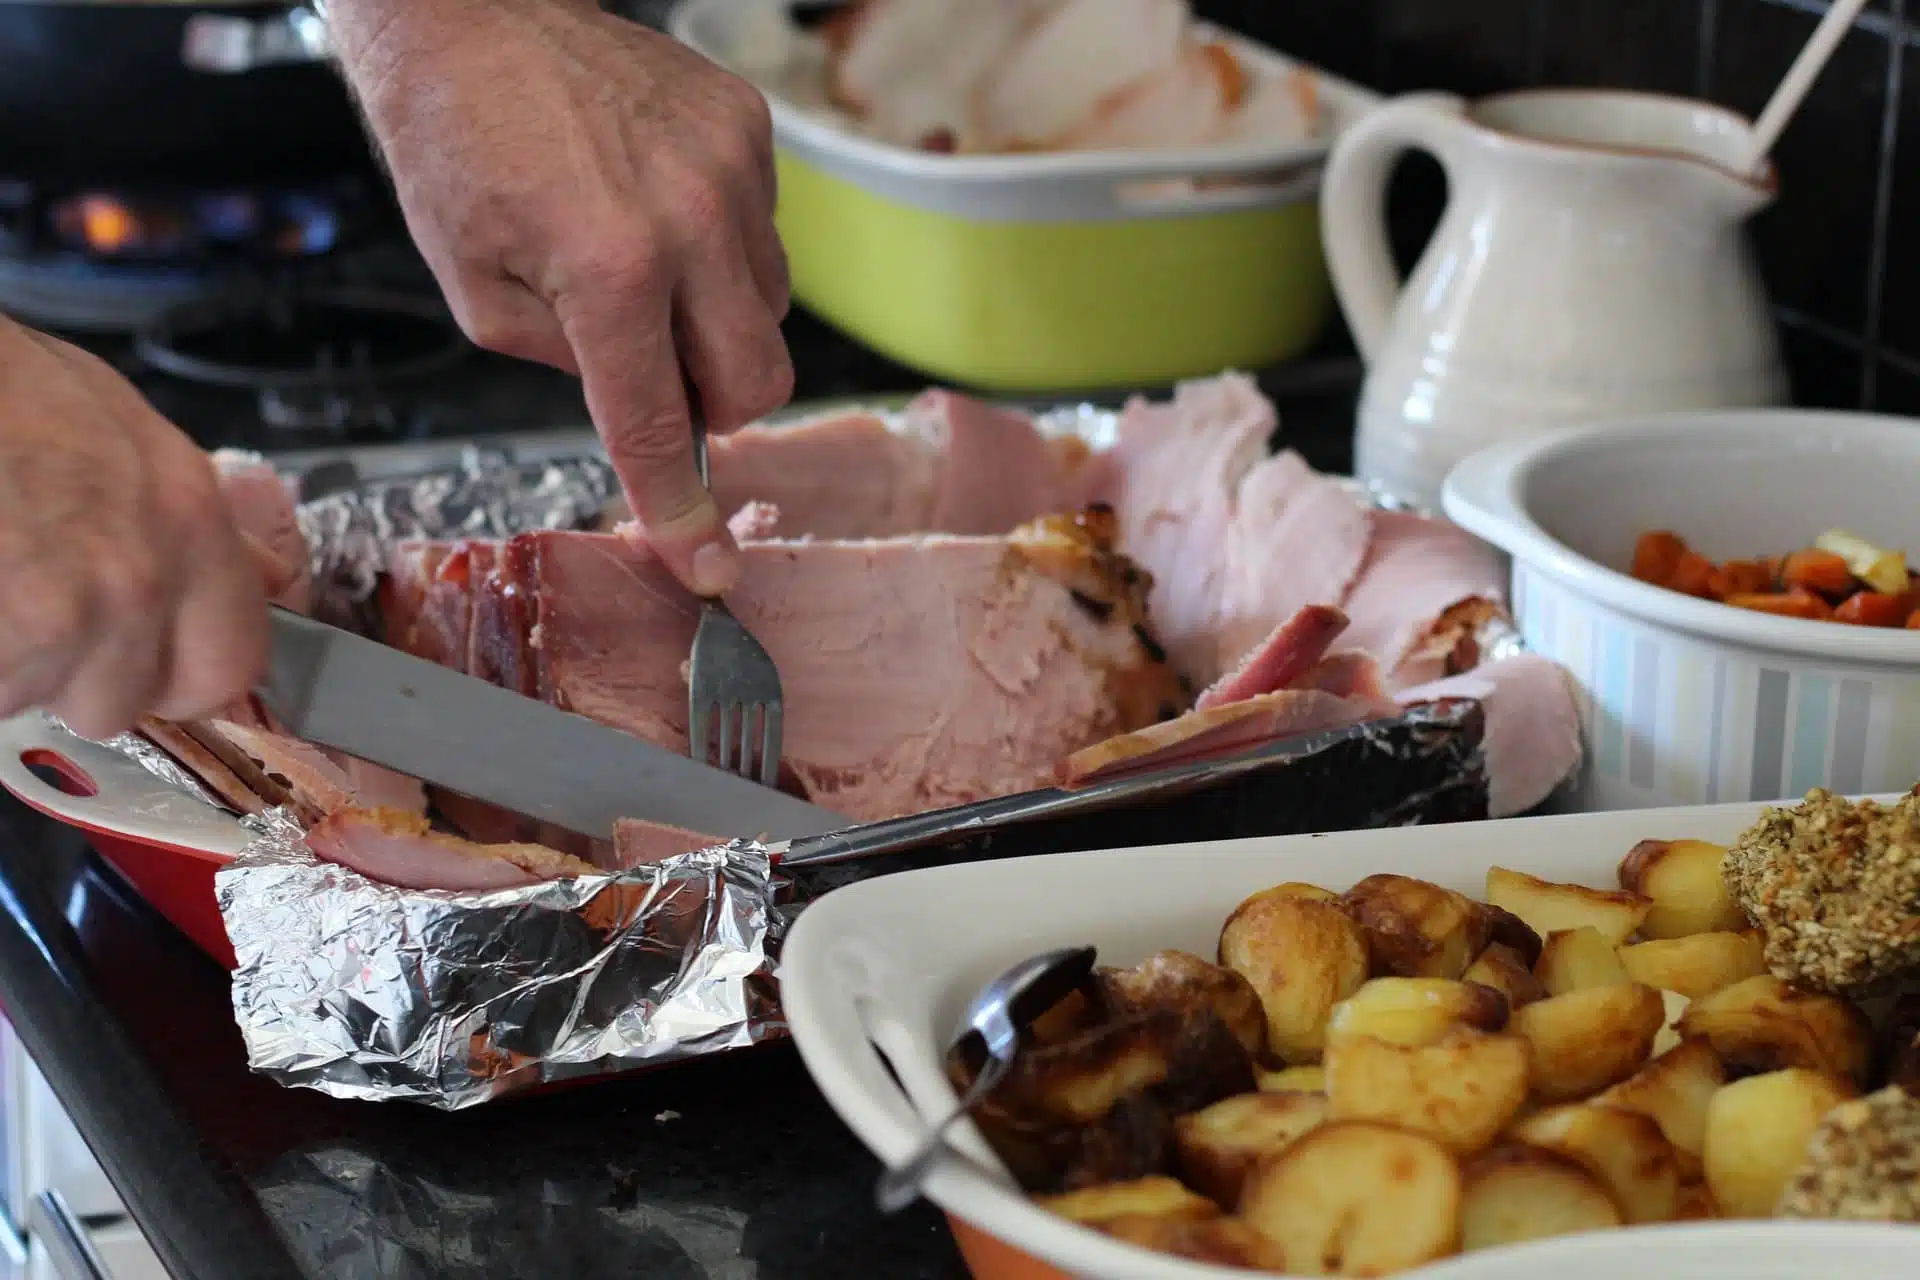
(700, 450)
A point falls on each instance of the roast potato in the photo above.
(1517, 1192)
(1461, 1090)
(1157, 1196)
(1586, 1040)
(1181, 981)
(1576, 958)
(1548, 907)
(1415, 1011)
(1674, 1008)
(1352, 1198)
(1308, 1079)
(1415, 929)
(1696, 1204)
(1624, 1149)
(1761, 1024)
(1216, 1147)
(1302, 956)
(1683, 882)
(1696, 965)
(1673, 1091)
(1757, 1135)
(1506, 971)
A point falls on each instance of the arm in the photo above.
(592, 195)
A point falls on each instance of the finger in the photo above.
(216, 637)
(767, 258)
(118, 681)
(49, 631)
(276, 575)
(631, 375)
(501, 314)
(731, 344)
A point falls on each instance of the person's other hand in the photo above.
(595, 196)
(125, 586)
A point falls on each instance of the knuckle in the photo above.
(46, 613)
(655, 439)
(701, 203)
(132, 582)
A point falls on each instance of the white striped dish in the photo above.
(1684, 701)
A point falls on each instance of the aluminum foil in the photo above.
(488, 495)
(362, 990)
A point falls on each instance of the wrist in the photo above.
(375, 39)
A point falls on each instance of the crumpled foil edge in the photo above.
(362, 990)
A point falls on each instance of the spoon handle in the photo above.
(900, 1185)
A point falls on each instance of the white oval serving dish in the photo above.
(892, 961)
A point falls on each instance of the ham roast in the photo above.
(942, 633)
(918, 672)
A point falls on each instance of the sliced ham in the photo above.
(754, 522)
(310, 780)
(1296, 539)
(210, 769)
(1418, 575)
(1059, 74)
(401, 849)
(1177, 468)
(637, 842)
(1532, 737)
(1218, 732)
(1347, 674)
(1295, 648)
(994, 469)
(846, 475)
(918, 672)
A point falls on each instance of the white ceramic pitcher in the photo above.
(1592, 261)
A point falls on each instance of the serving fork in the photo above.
(730, 678)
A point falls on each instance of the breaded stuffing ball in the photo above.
(1835, 888)
(1863, 1163)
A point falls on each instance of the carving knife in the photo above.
(340, 690)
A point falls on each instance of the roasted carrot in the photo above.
(1795, 603)
(1822, 572)
(1741, 578)
(1693, 574)
(1874, 609)
(1656, 555)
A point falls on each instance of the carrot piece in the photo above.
(1741, 578)
(1795, 603)
(1656, 555)
(1874, 609)
(1913, 620)
(1818, 571)
(1693, 575)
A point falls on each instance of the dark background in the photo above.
(1837, 250)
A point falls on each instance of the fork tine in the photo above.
(728, 710)
(699, 744)
(770, 744)
(745, 767)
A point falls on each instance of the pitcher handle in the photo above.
(1353, 198)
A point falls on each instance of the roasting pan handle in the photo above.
(222, 44)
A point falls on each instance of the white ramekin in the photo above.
(1686, 701)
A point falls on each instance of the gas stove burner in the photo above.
(82, 297)
(320, 359)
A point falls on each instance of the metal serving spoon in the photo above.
(1001, 1010)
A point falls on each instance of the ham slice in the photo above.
(1177, 468)
(636, 842)
(1418, 575)
(1532, 739)
(1294, 648)
(975, 664)
(401, 849)
(1218, 732)
(995, 471)
(209, 768)
(847, 475)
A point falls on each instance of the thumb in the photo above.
(276, 575)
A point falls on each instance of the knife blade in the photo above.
(340, 690)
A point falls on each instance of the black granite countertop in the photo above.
(729, 1167)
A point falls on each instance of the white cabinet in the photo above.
(80, 1230)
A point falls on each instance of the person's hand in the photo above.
(125, 587)
(592, 195)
